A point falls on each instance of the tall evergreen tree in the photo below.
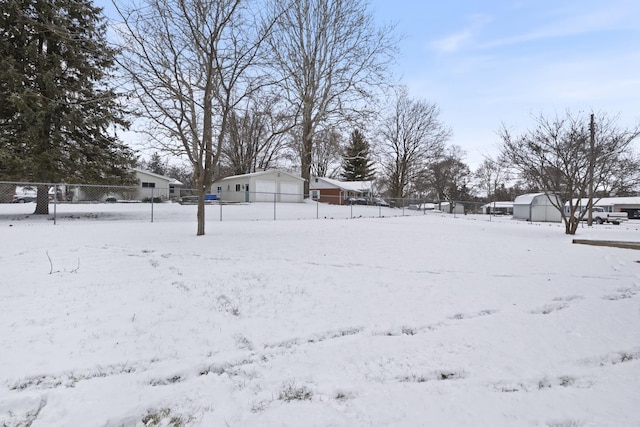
(357, 164)
(58, 116)
(155, 164)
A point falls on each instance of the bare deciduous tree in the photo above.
(448, 176)
(190, 63)
(330, 58)
(412, 136)
(325, 158)
(491, 174)
(256, 136)
(557, 157)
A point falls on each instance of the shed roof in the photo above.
(526, 199)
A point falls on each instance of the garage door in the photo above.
(290, 192)
(265, 190)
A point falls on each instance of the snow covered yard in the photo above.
(403, 321)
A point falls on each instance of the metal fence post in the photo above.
(55, 204)
(220, 203)
(152, 204)
(317, 209)
(274, 206)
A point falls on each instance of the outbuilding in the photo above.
(265, 186)
(537, 207)
(457, 208)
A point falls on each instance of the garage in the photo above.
(289, 192)
(265, 190)
(264, 186)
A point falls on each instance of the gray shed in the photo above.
(536, 207)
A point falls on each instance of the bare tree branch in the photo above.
(556, 154)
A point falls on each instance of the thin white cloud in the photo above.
(453, 43)
(574, 21)
(561, 22)
(461, 39)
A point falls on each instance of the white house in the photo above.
(536, 207)
(265, 186)
(630, 205)
(337, 192)
(159, 186)
(149, 184)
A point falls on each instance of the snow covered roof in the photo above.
(608, 201)
(499, 205)
(260, 173)
(525, 199)
(357, 186)
(172, 181)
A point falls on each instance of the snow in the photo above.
(109, 319)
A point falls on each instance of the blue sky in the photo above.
(491, 62)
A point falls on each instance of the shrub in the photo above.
(293, 392)
(155, 200)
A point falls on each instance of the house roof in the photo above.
(260, 173)
(172, 181)
(357, 186)
(609, 201)
(499, 205)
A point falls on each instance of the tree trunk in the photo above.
(570, 225)
(200, 213)
(42, 200)
(200, 178)
(306, 155)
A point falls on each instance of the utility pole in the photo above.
(591, 165)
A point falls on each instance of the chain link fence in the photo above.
(67, 202)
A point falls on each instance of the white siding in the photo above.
(261, 186)
(290, 192)
(536, 208)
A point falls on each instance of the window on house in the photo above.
(219, 189)
(237, 187)
(148, 185)
(315, 194)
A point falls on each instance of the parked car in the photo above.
(23, 198)
(370, 201)
(356, 201)
(379, 202)
(600, 216)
